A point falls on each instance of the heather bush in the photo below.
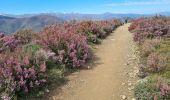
(21, 72)
(135, 23)
(156, 62)
(150, 28)
(149, 46)
(71, 50)
(106, 27)
(25, 36)
(153, 88)
(140, 38)
(2, 35)
(88, 29)
(95, 30)
(18, 39)
(8, 43)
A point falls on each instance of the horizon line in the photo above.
(81, 13)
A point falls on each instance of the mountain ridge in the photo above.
(10, 23)
(36, 23)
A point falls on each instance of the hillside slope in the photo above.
(11, 24)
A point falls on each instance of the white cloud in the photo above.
(142, 2)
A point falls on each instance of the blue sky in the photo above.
(83, 6)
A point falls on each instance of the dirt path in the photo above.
(112, 75)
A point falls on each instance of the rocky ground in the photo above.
(131, 71)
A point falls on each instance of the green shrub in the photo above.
(32, 47)
(92, 38)
(153, 88)
(20, 73)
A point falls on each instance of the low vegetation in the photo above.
(152, 36)
(32, 62)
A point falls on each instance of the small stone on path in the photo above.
(123, 97)
(133, 99)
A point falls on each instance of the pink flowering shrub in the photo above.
(156, 62)
(150, 28)
(18, 39)
(20, 72)
(8, 43)
(2, 35)
(93, 30)
(135, 24)
(88, 29)
(149, 46)
(25, 36)
(165, 89)
(70, 49)
(106, 27)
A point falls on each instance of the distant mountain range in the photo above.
(78, 16)
(11, 23)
